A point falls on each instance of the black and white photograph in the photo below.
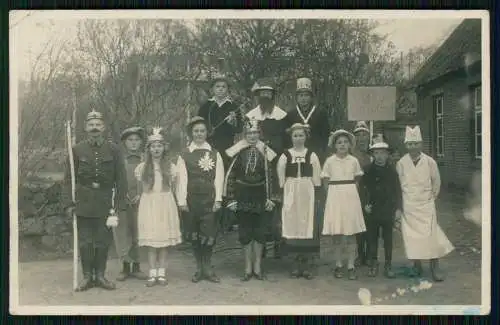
(249, 162)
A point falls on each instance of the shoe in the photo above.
(388, 272)
(197, 277)
(246, 277)
(86, 284)
(259, 276)
(151, 282)
(436, 273)
(373, 271)
(137, 273)
(124, 274)
(338, 272)
(352, 274)
(103, 283)
(212, 277)
(162, 281)
(308, 275)
(295, 274)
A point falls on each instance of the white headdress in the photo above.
(413, 134)
(156, 136)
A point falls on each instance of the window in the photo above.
(476, 106)
(439, 113)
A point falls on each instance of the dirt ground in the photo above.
(49, 282)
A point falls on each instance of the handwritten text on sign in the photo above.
(371, 103)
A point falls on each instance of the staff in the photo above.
(70, 144)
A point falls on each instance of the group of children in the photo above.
(336, 198)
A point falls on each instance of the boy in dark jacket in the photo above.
(381, 200)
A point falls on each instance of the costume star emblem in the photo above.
(206, 163)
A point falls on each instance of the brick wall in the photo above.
(458, 163)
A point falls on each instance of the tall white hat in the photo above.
(413, 134)
(304, 84)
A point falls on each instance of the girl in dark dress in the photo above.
(200, 197)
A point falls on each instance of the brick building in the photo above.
(448, 89)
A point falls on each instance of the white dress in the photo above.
(343, 213)
(158, 216)
(420, 184)
(298, 196)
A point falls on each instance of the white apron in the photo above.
(422, 236)
(298, 208)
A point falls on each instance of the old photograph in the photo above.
(249, 162)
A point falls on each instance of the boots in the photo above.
(86, 256)
(125, 273)
(295, 273)
(388, 271)
(208, 271)
(436, 273)
(137, 273)
(101, 260)
(198, 276)
(417, 267)
(307, 272)
(373, 271)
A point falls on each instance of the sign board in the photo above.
(371, 103)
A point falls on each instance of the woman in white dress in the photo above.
(343, 217)
(158, 218)
(299, 172)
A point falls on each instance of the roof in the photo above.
(462, 48)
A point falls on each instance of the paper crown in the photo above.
(263, 84)
(94, 115)
(132, 130)
(413, 134)
(378, 142)
(252, 125)
(298, 126)
(304, 84)
(156, 136)
(361, 126)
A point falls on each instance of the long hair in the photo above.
(148, 175)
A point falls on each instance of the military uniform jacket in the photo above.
(98, 168)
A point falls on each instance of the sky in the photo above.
(33, 30)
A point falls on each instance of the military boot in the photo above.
(102, 259)
(198, 276)
(208, 271)
(86, 256)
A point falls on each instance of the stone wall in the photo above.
(43, 226)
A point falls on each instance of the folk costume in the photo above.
(216, 113)
(273, 123)
(201, 189)
(158, 216)
(343, 216)
(99, 168)
(126, 231)
(317, 119)
(365, 160)
(420, 184)
(299, 178)
(383, 196)
(249, 188)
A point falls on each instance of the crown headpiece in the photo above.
(156, 135)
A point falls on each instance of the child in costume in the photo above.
(343, 217)
(381, 202)
(133, 139)
(200, 196)
(299, 172)
(250, 194)
(158, 217)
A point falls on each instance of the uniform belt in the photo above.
(240, 182)
(342, 182)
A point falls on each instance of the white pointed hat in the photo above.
(413, 134)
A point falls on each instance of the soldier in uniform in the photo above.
(360, 151)
(99, 168)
